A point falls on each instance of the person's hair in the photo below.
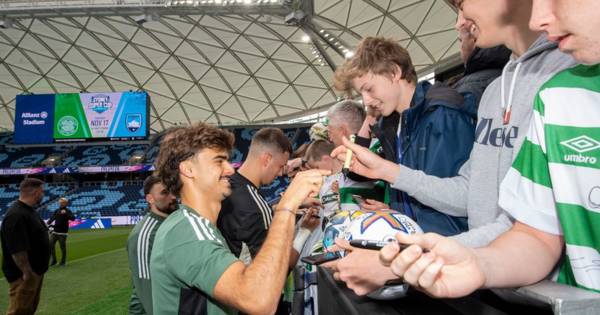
(149, 182)
(377, 55)
(164, 135)
(318, 149)
(272, 138)
(29, 185)
(350, 112)
(183, 145)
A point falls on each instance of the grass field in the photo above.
(96, 279)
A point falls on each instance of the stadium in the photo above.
(89, 90)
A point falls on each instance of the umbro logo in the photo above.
(581, 144)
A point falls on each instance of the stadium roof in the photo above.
(220, 61)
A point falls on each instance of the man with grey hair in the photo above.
(344, 119)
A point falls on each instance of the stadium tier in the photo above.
(104, 199)
(114, 197)
(15, 157)
(151, 154)
(10, 193)
(6, 138)
(74, 155)
(102, 155)
(243, 136)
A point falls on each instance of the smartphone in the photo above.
(321, 258)
(358, 199)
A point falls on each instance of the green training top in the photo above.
(139, 247)
(188, 259)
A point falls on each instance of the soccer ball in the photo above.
(381, 226)
(337, 226)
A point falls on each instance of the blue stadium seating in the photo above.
(106, 199)
(152, 154)
(6, 138)
(117, 197)
(243, 137)
(10, 193)
(102, 155)
(97, 155)
(28, 157)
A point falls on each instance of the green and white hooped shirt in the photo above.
(554, 183)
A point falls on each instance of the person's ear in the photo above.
(186, 169)
(266, 158)
(345, 130)
(149, 199)
(397, 74)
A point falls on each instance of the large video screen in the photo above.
(74, 117)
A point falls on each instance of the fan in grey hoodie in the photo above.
(474, 192)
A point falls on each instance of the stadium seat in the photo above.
(28, 157)
(102, 155)
(52, 192)
(107, 199)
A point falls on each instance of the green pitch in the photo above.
(96, 279)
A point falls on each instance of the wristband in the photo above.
(286, 209)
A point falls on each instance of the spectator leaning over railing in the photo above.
(552, 189)
(504, 114)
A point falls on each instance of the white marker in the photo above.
(346, 168)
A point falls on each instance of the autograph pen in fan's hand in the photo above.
(346, 168)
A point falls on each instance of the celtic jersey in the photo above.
(189, 257)
(554, 183)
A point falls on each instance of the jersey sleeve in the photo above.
(526, 191)
(200, 263)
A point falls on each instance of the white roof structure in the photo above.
(220, 61)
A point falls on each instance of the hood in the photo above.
(427, 97)
(540, 45)
(508, 82)
(487, 58)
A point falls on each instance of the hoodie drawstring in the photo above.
(508, 105)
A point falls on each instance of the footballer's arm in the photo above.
(256, 289)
